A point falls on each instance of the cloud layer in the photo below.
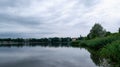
(61, 18)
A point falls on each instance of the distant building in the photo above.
(74, 39)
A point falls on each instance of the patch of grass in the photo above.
(112, 51)
(98, 43)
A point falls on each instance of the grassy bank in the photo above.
(112, 52)
(97, 43)
(107, 47)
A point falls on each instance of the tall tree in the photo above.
(96, 31)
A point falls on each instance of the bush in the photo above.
(98, 43)
(112, 51)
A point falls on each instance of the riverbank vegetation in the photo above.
(55, 41)
(105, 44)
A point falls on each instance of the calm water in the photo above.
(45, 57)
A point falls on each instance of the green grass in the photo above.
(112, 52)
(98, 43)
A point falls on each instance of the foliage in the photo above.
(96, 31)
(103, 46)
(108, 33)
(112, 51)
(98, 43)
(36, 42)
(75, 43)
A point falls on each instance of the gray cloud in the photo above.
(90, 3)
(7, 18)
(14, 3)
(8, 3)
(24, 35)
(60, 18)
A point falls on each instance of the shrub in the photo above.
(111, 51)
(100, 42)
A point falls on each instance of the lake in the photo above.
(45, 57)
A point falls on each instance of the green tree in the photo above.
(80, 38)
(96, 31)
(108, 33)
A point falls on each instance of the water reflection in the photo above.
(98, 60)
(21, 44)
(49, 54)
(45, 57)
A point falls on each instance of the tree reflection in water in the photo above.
(100, 61)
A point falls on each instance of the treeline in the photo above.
(34, 42)
(55, 39)
(13, 40)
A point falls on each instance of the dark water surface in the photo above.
(45, 57)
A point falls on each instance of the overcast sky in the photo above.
(56, 18)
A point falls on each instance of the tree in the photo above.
(80, 38)
(108, 33)
(96, 31)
